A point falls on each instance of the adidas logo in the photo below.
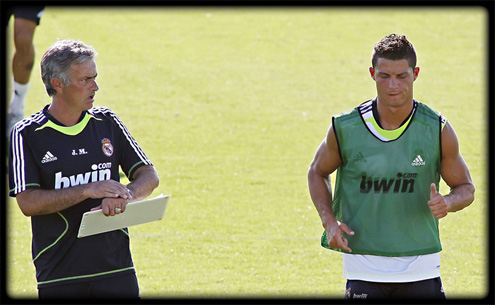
(359, 158)
(49, 157)
(418, 161)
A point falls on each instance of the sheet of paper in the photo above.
(139, 212)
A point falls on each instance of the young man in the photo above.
(27, 18)
(64, 161)
(389, 153)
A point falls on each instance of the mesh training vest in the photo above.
(383, 184)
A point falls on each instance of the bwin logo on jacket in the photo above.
(99, 173)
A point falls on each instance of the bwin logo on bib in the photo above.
(418, 161)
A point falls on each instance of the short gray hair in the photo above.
(57, 60)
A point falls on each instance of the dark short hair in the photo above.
(394, 47)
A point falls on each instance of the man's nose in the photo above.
(95, 86)
(393, 83)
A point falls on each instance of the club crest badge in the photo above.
(107, 147)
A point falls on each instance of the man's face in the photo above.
(394, 81)
(79, 94)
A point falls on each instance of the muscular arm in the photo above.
(325, 162)
(456, 174)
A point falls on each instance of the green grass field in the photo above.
(230, 105)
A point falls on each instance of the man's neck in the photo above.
(63, 115)
(391, 118)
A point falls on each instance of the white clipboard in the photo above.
(139, 212)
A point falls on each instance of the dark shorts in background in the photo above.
(29, 12)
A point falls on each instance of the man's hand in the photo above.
(107, 189)
(112, 206)
(334, 235)
(115, 196)
(437, 203)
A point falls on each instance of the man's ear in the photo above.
(416, 72)
(57, 84)
(372, 73)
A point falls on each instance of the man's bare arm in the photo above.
(145, 181)
(456, 174)
(41, 202)
(326, 161)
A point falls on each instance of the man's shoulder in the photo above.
(430, 113)
(31, 122)
(100, 110)
(103, 113)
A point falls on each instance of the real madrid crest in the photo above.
(107, 147)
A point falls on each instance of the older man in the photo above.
(64, 161)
